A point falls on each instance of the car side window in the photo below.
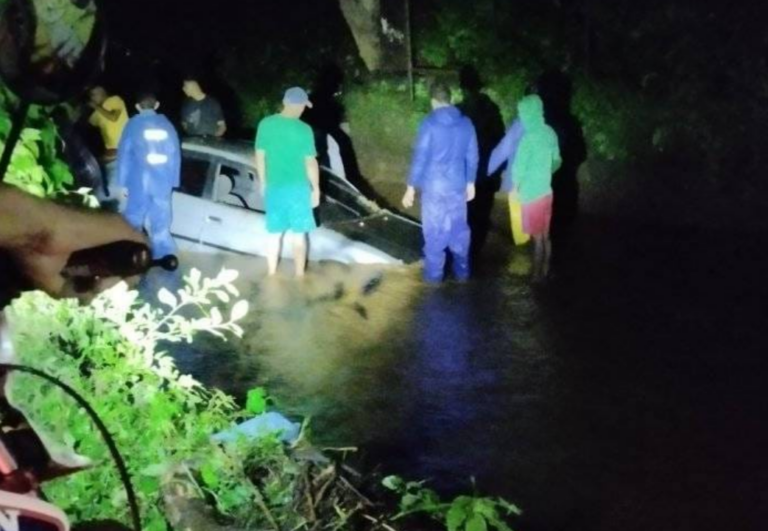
(194, 173)
(236, 186)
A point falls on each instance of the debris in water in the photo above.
(372, 285)
(361, 311)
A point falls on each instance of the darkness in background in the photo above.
(489, 127)
(156, 43)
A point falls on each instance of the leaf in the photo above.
(30, 135)
(227, 276)
(194, 279)
(476, 523)
(486, 507)
(208, 473)
(216, 317)
(167, 298)
(223, 296)
(456, 516)
(393, 482)
(155, 470)
(256, 402)
(239, 310)
(511, 508)
(409, 500)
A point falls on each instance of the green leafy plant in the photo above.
(35, 166)
(464, 513)
(256, 401)
(108, 351)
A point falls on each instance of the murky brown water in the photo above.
(629, 394)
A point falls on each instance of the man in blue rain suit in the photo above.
(148, 166)
(443, 169)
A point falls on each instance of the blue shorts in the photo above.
(289, 208)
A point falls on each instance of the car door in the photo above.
(190, 199)
(234, 218)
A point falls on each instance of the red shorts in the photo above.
(537, 216)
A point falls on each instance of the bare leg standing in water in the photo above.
(542, 252)
(299, 246)
(547, 255)
(274, 245)
(299, 253)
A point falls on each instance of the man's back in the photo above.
(149, 156)
(287, 142)
(446, 154)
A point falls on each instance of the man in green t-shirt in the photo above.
(290, 178)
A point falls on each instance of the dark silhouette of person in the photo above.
(327, 113)
(556, 91)
(76, 153)
(489, 125)
(328, 117)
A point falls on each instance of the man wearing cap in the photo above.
(290, 178)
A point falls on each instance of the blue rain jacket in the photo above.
(445, 156)
(148, 167)
(149, 157)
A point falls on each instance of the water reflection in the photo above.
(587, 402)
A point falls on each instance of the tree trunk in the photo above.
(363, 18)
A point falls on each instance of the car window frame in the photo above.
(245, 170)
(208, 185)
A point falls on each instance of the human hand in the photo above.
(470, 192)
(409, 197)
(40, 236)
(315, 198)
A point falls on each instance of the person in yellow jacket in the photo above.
(109, 116)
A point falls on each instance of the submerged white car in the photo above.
(219, 207)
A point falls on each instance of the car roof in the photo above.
(236, 150)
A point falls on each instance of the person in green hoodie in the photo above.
(537, 157)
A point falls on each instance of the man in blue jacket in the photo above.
(148, 167)
(443, 169)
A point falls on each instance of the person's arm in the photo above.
(261, 169)
(557, 160)
(173, 137)
(41, 235)
(472, 157)
(472, 160)
(185, 117)
(420, 157)
(519, 171)
(111, 110)
(313, 174)
(111, 115)
(505, 151)
(418, 165)
(221, 124)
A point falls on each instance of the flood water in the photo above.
(628, 394)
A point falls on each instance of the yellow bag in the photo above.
(516, 220)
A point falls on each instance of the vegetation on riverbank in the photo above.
(112, 353)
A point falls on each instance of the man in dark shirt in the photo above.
(201, 114)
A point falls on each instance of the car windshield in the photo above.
(341, 191)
